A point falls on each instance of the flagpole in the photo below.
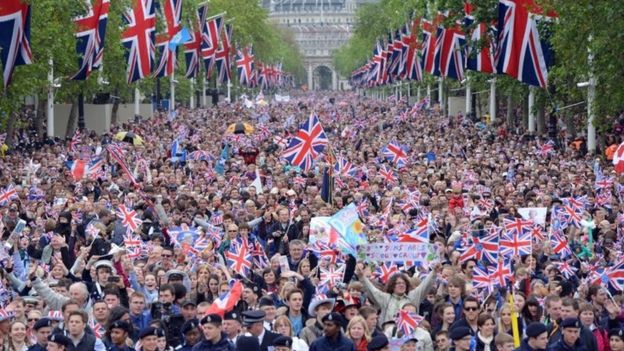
(531, 110)
(591, 96)
(204, 92)
(429, 95)
(192, 102)
(229, 91)
(468, 96)
(137, 97)
(492, 99)
(50, 106)
(172, 92)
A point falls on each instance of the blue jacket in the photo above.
(222, 345)
(340, 344)
(562, 346)
(524, 346)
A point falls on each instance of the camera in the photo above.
(171, 322)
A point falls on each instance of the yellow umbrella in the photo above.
(240, 128)
(129, 137)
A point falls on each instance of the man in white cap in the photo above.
(319, 308)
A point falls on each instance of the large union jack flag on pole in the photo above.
(410, 63)
(245, 66)
(307, 144)
(138, 39)
(480, 53)
(522, 53)
(172, 12)
(192, 48)
(211, 31)
(15, 37)
(429, 31)
(222, 56)
(450, 57)
(90, 33)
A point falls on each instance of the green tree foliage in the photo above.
(52, 36)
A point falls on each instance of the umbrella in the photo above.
(240, 128)
(129, 137)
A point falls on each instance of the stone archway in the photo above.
(322, 76)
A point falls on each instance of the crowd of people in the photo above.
(192, 234)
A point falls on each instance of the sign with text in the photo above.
(419, 254)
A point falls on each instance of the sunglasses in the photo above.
(33, 319)
(166, 256)
(471, 308)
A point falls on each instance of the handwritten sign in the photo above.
(419, 254)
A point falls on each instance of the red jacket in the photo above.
(456, 202)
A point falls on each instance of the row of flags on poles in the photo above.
(148, 54)
(514, 45)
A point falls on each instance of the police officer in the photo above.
(58, 342)
(214, 338)
(378, 343)
(570, 340)
(118, 333)
(461, 337)
(149, 338)
(282, 343)
(536, 337)
(332, 338)
(190, 330)
(43, 329)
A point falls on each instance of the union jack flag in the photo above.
(537, 233)
(138, 38)
(571, 215)
(118, 154)
(420, 234)
(75, 141)
(98, 329)
(15, 38)
(560, 244)
(172, 12)
(332, 276)
(566, 269)
(480, 56)
(259, 256)
(90, 33)
(480, 248)
(613, 275)
(410, 62)
(345, 167)
(91, 230)
(501, 273)
(387, 174)
(211, 31)
(546, 149)
(604, 183)
(481, 278)
(239, 259)
(513, 244)
(407, 322)
(396, 154)
(517, 226)
(129, 218)
(384, 271)
(7, 195)
(192, 48)
(521, 52)
(307, 144)
(222, 56)
(429, 31)
(450, 53)
(245, 66)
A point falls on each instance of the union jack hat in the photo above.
(55, 315)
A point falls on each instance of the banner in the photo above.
(321, 230)
(418, 254)
(350, 229)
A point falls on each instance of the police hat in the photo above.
(283, 341)
(333, 317)
(247, 343)
(212, 319)
(42, 323)
(231, 316)
(266, 301)
(377, 343)
(616, 332)
(251, 317)
(175, 274)
(189, 325)
(151, 331)
(535, 329)
(123, 325)
(459, 333)
(60, 338)
(571, 323)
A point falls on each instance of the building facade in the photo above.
(319, 27)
